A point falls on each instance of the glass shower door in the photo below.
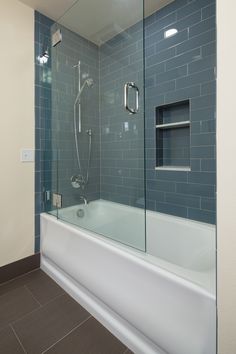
(98, 120)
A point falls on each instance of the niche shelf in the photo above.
(173, 137)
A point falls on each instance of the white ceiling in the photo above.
(51, 8)
(96, 20)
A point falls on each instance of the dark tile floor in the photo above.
(37, 316)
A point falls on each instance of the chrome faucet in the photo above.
(85, 200)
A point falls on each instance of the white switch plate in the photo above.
(27, 155)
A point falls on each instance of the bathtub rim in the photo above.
(145, 211)
(142, 258)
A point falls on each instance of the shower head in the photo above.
(90, 82)
(43, 57)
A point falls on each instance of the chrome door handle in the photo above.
(131, 85)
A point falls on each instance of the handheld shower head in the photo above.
(90, 82)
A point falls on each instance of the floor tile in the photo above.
(43, 288)
(92, 338)
(48, 324)
(15, 304)
(17, 282)
(9, 343)
(40, 284)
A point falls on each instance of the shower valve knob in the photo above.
(76, 181)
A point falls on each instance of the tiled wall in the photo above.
(42, 117)
(122, 134)
(179, 68)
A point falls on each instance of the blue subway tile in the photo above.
(202, 152)
(196, 189)
(160, 24)
(208, 87)
(209, 49)
(208, 165)
(191, 7)
(184, 58)
(184, 200)
(202, 215)
(195, 164)
(203, 26)
(194, 79)
(209, 11)
(182, 94)
(171, 74)
(203, 139)
(204, 101)
(208, 204)
(202, 64)
(207, 178)
(172, 41)
(202, 114)
(196, 41)
(171, 209)
(161, 185)
(160, 57)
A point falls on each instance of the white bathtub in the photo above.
(161, 301)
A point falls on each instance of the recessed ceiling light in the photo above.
(171, 32)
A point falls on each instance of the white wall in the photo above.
(16, 130)
(226, 175)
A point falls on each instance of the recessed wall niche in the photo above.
(173, 136)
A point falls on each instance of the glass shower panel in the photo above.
(98, 119)
(180, 117)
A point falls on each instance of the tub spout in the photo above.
(85, 200)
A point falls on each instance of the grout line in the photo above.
(18, 339)
(38, 308)
(56, 297)
(25, 286)
(66, 335)
(20, 276)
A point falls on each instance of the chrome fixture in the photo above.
(85, 200)
(80, 213)
(43, 58)
(77, 181)
(89, 82)
(131, 85)
(80, 181)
